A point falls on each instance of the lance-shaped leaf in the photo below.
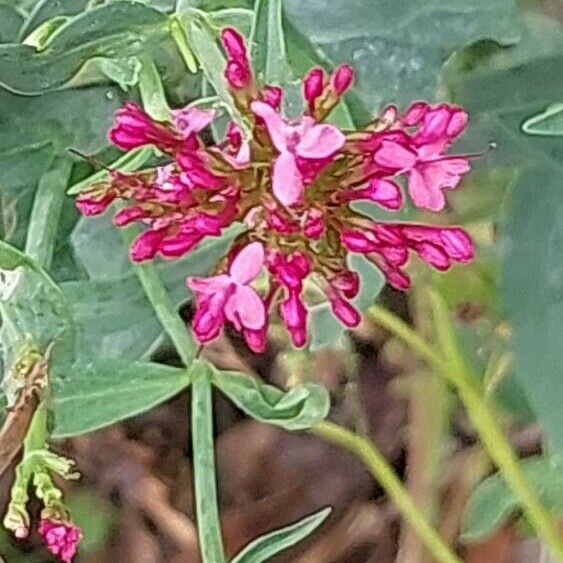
(300, 407)
(548, 123)
(91, 395)
(267, 546)
(115, 30)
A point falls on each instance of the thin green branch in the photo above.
(210, 541)
(379, 467)
(454, 369)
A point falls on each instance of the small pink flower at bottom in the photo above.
(230, 297)
(60, 538)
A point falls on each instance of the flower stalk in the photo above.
(383, 473)
(449, 363)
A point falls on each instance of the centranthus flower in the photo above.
(230, 297)
(298, 144)
(60, 538)
(293, 184)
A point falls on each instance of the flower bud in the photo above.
(342, 79)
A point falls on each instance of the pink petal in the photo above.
(394, 156)
(287, 183)
(320, 141)
(209, 317)
(383, 192)
(191, 120)
(342, 79)
(247, 263)
(313, 85)
(415, 113)
(425, 194)
(274, 123)
(245, 309)
(210, 285)
(344, 311)
(427, 180)
(146, 245)
(255, 339)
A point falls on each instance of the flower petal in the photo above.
(274, 123)
(245, 309)
(394, 156)
(320, 141)
(210, 285)
(287, 183)
(247, 263)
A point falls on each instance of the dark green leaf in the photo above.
(115, 316)
(546, 123)
(267, 40)
(91, 395)
(117, 30)
(45, 10)
(300, 407)
(493, 502)
(11, 21)
(31, 304)
(267, 546)
(399, 46)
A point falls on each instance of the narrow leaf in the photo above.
(269, 545)
(300, 407)
(548, 123)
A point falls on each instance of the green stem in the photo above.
(164, 308)
(379, 467)
(47, 206)
(452, 367)
(210, 541)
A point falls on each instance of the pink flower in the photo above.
(339, 289)
(306, 140)
(421, 156)
(290, 271)
(230, 297)
(238, 72)
(388, 245)
(385, 193)
(342, 79)
(313, 87)
(60, 538)
(134, 128)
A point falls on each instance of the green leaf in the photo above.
(548, 123)
(399, 46)
(32, 304)
(113, 30)
(326, 329)
(267, 546)
(301, 407)
(11, 20)
(114, 314)
(91, 395)
(493, 503)
(267, 41)
(45, 10)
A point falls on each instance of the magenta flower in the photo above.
(230, 297)
(60, 538)
(293, 185)
(304, 140)
(421, 156)
(388, 245)
(134, 128)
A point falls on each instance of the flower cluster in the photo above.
(292, 183)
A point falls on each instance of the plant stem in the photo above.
(453, 368)
(210, 541)
(47, 206)
(379, 467)
(163, 306)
